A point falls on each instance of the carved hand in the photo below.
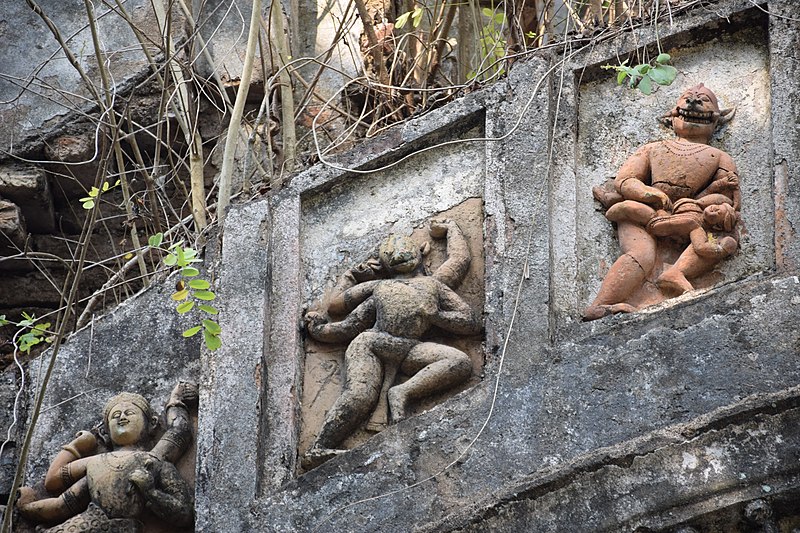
(184, 391)
(142, 479)
(657, 199)
(728, 244)
(728, 183)
(314, 320)
(439, 227)
(25, 495)
(366, 271)
(85, 442)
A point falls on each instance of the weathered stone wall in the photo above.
(677, 416)
(569, 397)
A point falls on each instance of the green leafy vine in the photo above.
(646, 76)
(192, 292)
(35, 334)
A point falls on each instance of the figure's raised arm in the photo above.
(178, 436)
(454, 269)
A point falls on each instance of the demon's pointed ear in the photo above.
(425, 248)
(726, 115)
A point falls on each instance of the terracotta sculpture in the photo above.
(114, 489)
(676, 190)
(385, 321)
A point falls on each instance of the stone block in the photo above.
(27, 186)
(12, 226)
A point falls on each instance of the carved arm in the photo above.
(345, 302)
(725, 182)
(454, 269)
(455, 315)
(54, 510)
(165, 492)
(631, 181)
(66, 467)
(360, 319)
(704, 247)
(178, 437)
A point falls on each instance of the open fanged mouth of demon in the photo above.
(698, 117)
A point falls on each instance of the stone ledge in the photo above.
(647, 482)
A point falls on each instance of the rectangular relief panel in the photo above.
(342, 228)
(614, 121)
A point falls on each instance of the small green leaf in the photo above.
(204, 295)
(646, 85)
(200, 284)
(212, 326)
(190, 272)
(416, 17)
(170, 260)
(621, 77)
(3, 320)
(663, 74)
(402, 20)
(210, 309)
(191, 332)
(88, 204)
(212, 341)
(180, 295)
(155, 240)
(663, 58)
(180, 256)
(185, 307)
(106, 186)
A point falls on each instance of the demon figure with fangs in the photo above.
(681, 194)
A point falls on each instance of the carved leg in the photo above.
(673, 281)
(435, 367)
(363, 378)
(627, 274)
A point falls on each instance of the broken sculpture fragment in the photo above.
(387, 305)
(681, 193)
(95, 486)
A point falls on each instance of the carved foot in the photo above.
(318, 455)
(673, 283)
(593, 312)
(398, 404)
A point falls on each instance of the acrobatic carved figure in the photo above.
(113, 490)
(385, 322)
(650, 186)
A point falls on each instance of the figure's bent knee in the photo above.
(365, 340)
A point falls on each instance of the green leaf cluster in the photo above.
(492, 44)
(192, 292)
(35, 334)
(415, 16)
(88, 202)
(646, 76)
